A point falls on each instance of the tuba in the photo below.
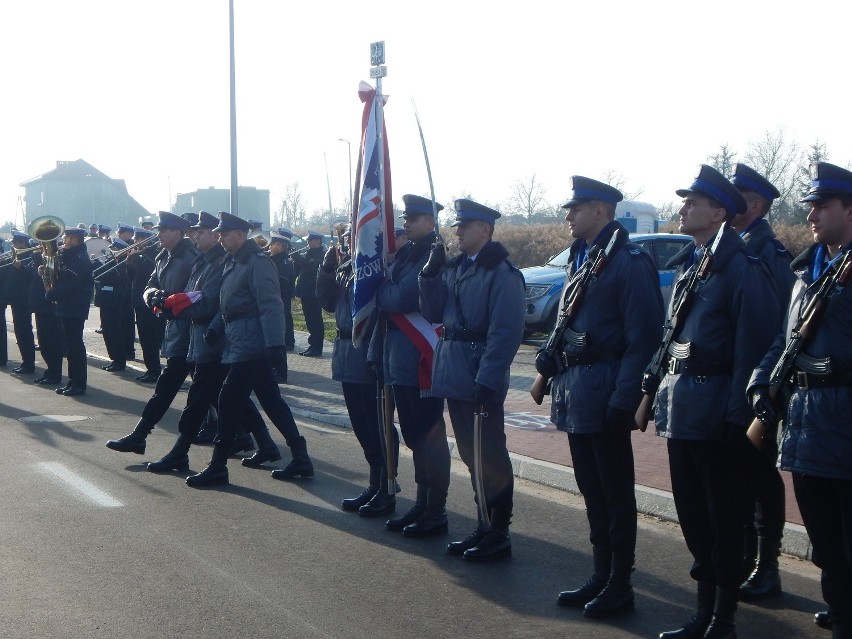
(47, 230)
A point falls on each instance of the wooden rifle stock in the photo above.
(540, 388)
(643, 413)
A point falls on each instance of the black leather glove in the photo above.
(545, 365)
(761, 404)
(650, 383)
(156, 299)
(275, 356)
(482, 395)
(211, 337)
(437, 261)
(329, 260)
(617, 420)
(378, 370)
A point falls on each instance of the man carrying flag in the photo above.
(420, 418)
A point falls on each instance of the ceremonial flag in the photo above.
(179, 302)
(424, 336)
(372, 228)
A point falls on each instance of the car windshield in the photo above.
(560, 259)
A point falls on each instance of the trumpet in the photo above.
(298, 250)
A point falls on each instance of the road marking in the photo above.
(87, 488)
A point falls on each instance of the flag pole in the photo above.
(378, 71)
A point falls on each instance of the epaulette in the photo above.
(635, 251)
(754, 259)
(779, 246)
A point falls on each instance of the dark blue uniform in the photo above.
(349, 367)
(306, 280)
(595, 397)
(701, 405)
(73, 297)
(816, 443)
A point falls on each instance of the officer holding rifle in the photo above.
(610, 322)
(815, 386)
(723, 313)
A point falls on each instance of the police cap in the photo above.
(827, 181)
(585, 189)
(747, 179)
(470, 211)
(710, 183)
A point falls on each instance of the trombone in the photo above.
(114, 260)
(11, 256)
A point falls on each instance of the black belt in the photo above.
(463, 335)
(344, 334)
(232, 317)
(701, 369)
(804, 380)
(588, 359)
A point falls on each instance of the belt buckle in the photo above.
(802, 380)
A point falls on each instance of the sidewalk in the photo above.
(539, 452)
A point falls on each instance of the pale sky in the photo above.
(649, 90)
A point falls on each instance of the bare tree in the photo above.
(779, 161)
(292, 211)
(618, 181)
(526, 198)
(723, 161)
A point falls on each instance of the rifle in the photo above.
(833, 280)
(680, 309)
(593, 268)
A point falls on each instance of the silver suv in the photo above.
(544, 283)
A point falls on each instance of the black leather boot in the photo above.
(823, 619)
(352, 504)
(765, 581)
(433, 521)
(696, 627)
(413, 514)
(135, 441)
(176, 459)
(460, 547)
(722, 626)
(617, 595)
(216, 472)
(496, 544)
(243, 443)
(383, 502)
(262, 456)
(300, 467)
(602, 562)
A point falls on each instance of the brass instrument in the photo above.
(47, 230)
(260, 237)
(340, 228)
(298, 250)
(119, 257)
(12, 255)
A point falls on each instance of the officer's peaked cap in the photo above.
(470, 211)
(827, 181)
(417, 205)
(171, 221)
(228, 222)
(710, 183)
(747, 179)
(585, 189)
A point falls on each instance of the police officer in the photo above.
(479, 297)
(306, 280)
(17, 295)
(140, 265)
(816, 443)
(126, 318)
(600, 355)
(72, 295)
(287, 278)
(763, 539)
(349, 366)
(279, 248)
(701, 405)
(251, 322)
(420, 417)
(112, 297)
(171, 273)
(48, 327)
(204, 284)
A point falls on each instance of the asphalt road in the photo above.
(95, 546)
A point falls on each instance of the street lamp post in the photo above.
(351, 195)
